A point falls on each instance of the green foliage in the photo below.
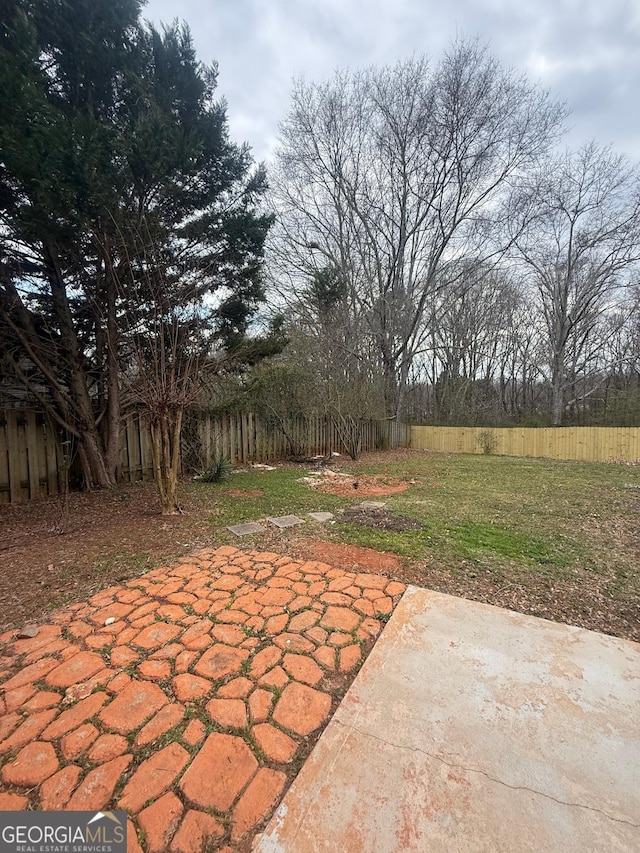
(327, 291)
(124, 207)
(281, 389)
(251, 351)
(218, 471)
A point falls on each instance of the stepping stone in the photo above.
(246, 529)
(29, 632)
(286, 521)
(320, 516)
(372, 505)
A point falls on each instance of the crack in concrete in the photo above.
(485, 774)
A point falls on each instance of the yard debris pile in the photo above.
(381, 519)
(358, 485)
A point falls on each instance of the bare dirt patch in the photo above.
(243, 493)
(365, 485)
(50, 557)
(350, 557)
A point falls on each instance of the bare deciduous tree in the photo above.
(580, 243)
(389, 174)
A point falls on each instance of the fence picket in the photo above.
(33, 455)
(50, 438)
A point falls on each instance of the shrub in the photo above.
(218, 471)
(487, 441)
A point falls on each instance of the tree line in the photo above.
(419, 248)
(434, 242)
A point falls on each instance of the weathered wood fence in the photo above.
(248, 438)
(136, 462)
(34, 455)
(590, 444)
(32, 460)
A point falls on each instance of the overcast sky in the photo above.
(587, 52)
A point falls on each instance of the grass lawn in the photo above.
(554, 539)
(558, 539)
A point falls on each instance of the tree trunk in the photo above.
(112, 452)
(390, 379)
(557, 390)
(350, 431)
(401, 389)
(95, 472)
(165, 447)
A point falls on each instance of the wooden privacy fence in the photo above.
(136, 461)
(590, 444)
(32, 461)
(33, 454)
(245, 437)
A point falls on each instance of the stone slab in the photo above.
(246, 529)
(472, 728)
(322, 517)
(286, 521)
(29, 632)
(372, 505)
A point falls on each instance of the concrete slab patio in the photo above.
(472, 728)
(187, 696)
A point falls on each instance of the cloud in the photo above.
(584, 51)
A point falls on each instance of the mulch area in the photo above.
(352, 557)
(379, 519)
(189, 696)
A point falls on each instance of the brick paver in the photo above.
(184, 695)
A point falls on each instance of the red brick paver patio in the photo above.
(187, 696)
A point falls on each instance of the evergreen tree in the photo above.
(128, 216)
